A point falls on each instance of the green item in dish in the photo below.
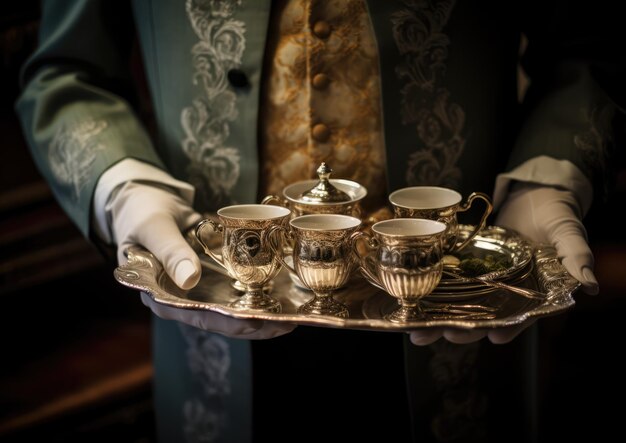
(475, 266)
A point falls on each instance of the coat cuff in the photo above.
(544, 170)
(124, 171)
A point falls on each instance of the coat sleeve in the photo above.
(75, 106)
(573, 108)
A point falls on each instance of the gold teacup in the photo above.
(441, 204)
(406, 263)
(323, 258)
(247, 253)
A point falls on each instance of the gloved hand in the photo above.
(544, 214)
(154, 217)
(463, 336)
(212, 321)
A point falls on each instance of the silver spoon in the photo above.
(525, 292)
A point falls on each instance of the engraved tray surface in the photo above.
(465, 307)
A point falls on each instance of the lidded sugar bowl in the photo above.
(322, 196)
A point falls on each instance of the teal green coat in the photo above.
(451, 118)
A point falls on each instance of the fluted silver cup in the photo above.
(405, 261)
(323, 258)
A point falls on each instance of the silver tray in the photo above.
(467, 308)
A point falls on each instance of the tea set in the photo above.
(315, 230)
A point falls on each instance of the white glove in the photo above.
(462, 336)
(154, 218)
(221, 324)
(544, 214)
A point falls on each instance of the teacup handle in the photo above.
(273, 199)
(280, 230)
(275, 245)
(483, 221)
(365, 263)
(216, 227)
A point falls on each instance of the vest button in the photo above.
(320, 132)
(238, 78)
(320, 81)
(321, 29)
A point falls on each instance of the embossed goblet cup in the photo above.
(247, 253)
(441, 204)
(323, 258)
(406, 262)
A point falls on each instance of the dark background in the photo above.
(76, 359)
(75, 344)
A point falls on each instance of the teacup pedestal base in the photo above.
(324, 304)
(255, 299)
(407, 312)
(240, 287)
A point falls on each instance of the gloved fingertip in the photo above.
(463, 336)
(425, 337)
(186, 274)
(501, 338)
(590, 284)
(145, 299)
(589, 276)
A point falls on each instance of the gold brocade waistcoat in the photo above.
(322, 98)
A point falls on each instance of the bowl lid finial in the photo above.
(324, 191)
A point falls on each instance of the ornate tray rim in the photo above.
(143, 272)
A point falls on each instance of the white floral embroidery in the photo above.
(200, 424)
(72, 153)
(208, 358)
(418, 32)
(454, 374)
(213, 168)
